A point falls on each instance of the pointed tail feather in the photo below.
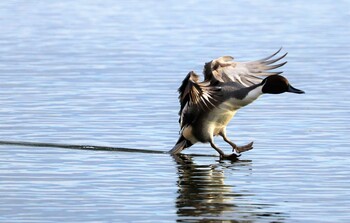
(181, 144)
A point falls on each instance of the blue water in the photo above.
(105, 73)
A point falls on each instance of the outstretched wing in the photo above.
(224, 69)
(195, 97)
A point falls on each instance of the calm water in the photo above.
(105, 73)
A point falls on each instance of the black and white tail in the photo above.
(181, 144)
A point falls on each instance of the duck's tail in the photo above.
(181, 144)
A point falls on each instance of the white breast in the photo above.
(222, 115)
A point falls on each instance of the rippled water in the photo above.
(105, 73)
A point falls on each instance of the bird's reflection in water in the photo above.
(203, 195)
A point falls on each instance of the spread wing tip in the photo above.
(267, 62)
(274, 54)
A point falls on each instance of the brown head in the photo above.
(277, 84)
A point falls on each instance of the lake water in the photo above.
(105, 73)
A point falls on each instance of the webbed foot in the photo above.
(233, 156)
(241, 149)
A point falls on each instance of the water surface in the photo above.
(105, 73)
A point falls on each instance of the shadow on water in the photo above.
(80, 147)
(203, 195)
(90, 147)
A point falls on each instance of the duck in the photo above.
(207, 107)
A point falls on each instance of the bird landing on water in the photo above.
(207, 107)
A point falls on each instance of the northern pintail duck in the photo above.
(207, 107)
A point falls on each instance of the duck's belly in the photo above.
(212, 123)
(218, 120)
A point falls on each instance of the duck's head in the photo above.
(277, 84)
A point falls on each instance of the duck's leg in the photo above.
(232, 156)
(235, 148)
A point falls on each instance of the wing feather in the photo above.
(224, 69)
(195, 97)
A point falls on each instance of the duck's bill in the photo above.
(294, 90)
